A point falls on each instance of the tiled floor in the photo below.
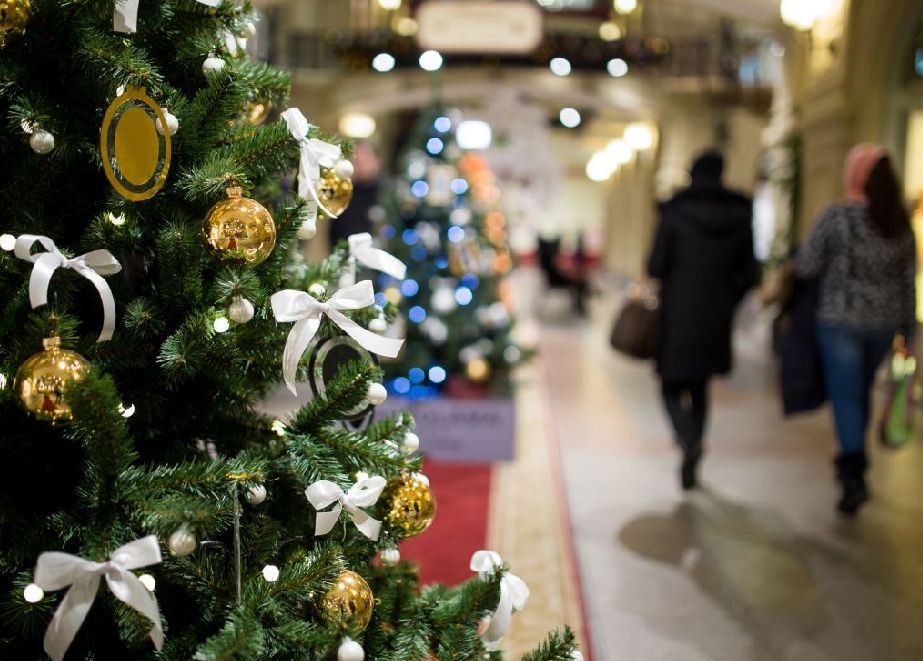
(756, 566)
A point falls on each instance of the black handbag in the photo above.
(636, 331)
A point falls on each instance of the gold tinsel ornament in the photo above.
(349, 603)
(14, 15)
(335, 191)
(240, 229)
(44, 378)
(410, 506)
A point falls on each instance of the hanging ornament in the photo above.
(256, 494)
(318, 288)
(257, 111)
(41, 141)
(14, 15)
(377, 394)
(240, 229)
(409, 505)
(344, 169)
(390, 556)
(172, 122)
(307, 230)
(135, 155)
(350, 650)
(334, 191)
(212, 64)
(240, 310)
(182, 542)
(411, 443)
(44, 378)
(326, 358)
(349, 603)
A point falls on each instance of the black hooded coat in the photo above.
(703, 256)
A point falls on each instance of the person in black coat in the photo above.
(703, 257)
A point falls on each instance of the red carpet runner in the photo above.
(460, 528)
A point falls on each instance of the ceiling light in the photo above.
(406, 26)
(560, 66)
(617, 67)
(430, 60)
(624, 6)
(383, 62)
(639, 136)
(473, 134)
(601, 166)
(620, 151)
(357, 125)
(569, 117)
(390, 5)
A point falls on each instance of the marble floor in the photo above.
(756, 565)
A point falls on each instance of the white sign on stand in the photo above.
(475, 26)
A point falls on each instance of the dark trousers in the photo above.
(687, 405)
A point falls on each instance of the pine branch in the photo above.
(560, 645)
(347, 390)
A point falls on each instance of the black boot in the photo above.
(850, 471)
(688, 472)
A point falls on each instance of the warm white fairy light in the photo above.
(148, 581)
(7, 242)
(271, 573)
(116, 219)
(127, 411)
(221, 324)
(33, 593)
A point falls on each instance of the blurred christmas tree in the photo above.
(445, 222)
(138, 461)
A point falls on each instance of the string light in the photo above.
(430, 60)
(383, 62)
(570, 117)
(560, 66)
(221, 324)
(271, 573)
(127, 412)
(33, 593)
(617, 67)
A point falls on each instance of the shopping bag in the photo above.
(896, 427)
(636, 329)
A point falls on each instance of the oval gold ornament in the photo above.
(136, 157)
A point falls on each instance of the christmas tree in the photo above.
(150, 507)
(445, 222)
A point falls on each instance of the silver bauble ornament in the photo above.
(240, 310)
(212, 64)
(42, 142)
(256, 494)
(350, 650)
(182, 542)
(376, 394)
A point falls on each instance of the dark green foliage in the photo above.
(198, 440)
(559, 646)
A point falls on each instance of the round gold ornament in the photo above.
(334, 191)
(410, 506)
(14, 15)
(240, 229)
(42, 381)
(257, 111)
(135, 155)
(349, 603)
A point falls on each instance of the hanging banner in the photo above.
(474, 26)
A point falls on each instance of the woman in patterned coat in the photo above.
(863, 252)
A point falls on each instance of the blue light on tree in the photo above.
(410, 237)
(401, 385)
(469, 280)
(434, 146)
(437, 374)
(416, 314)
(459, 186)
(419, 253)
(442, 262)
(410, 287)
(416, 375)
(388, 231)
(442, 124)
(456, 234)
(419, 188)
(463, 295)
(381, 300)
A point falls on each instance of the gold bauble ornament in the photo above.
(257, 111)
(14, 15)
(44, 378)
(334, 192)
(478, 370)
(240, 229)
(410, 506)
(349, 603)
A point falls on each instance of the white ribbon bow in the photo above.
(362, 251)
(125, 17)
(307, 312)
(56, 571)
(314, 153)
(513, 595)
(91, 266)
(363, 493)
